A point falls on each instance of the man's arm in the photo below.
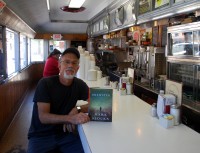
(84, 108)
(48, 118)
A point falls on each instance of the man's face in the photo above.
(68, 65)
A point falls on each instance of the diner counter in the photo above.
(134, 130)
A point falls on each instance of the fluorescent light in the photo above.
(76, 3)
(48, 7)
(162, 16)
(187, 9)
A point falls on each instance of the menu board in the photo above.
(161, 3)
(144, 6)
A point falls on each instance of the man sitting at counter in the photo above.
(54, 105)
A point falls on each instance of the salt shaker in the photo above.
(153, 110)
(129, 87)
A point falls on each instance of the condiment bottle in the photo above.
(175, 111)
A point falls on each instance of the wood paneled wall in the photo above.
(73, 37)
(11, 20)
(13, 91)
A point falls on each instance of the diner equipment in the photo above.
(183, 65)
(90, 45)
(157, 62)
(106, 60)
(150, 61)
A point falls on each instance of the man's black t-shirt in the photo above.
(61, 98)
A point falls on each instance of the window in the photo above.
(23, 52)
(12, 45)
(60, 45)
(29, 51)
(1, 55)
(37, 50)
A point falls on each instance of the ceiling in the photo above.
(36, 15)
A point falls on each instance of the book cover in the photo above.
(100, 108)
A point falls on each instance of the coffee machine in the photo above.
(141, 63)
(157, 66)
(149, 62)
(157, 62)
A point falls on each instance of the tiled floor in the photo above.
(15, 139)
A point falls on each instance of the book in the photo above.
(100, 107)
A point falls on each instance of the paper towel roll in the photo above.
(97, 68)
(92, 57)
(81, 71)
(92, 65)
(92, 61)
(87, 63)
(92, 75)
(99, 75)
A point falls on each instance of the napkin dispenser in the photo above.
(164, 102)
(123, 80)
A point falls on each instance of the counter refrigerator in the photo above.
(183, 65)
(189, 74)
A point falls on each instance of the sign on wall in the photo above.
(57, 36)
(161, 3)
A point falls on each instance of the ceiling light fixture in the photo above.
(72, 10)
(187, 9)
(48, 7)
(76, 3)
(162, 16)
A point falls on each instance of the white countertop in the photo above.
(134, 130)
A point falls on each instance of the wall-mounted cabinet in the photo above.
(124, 14)
(130, 13)
(99, 27)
